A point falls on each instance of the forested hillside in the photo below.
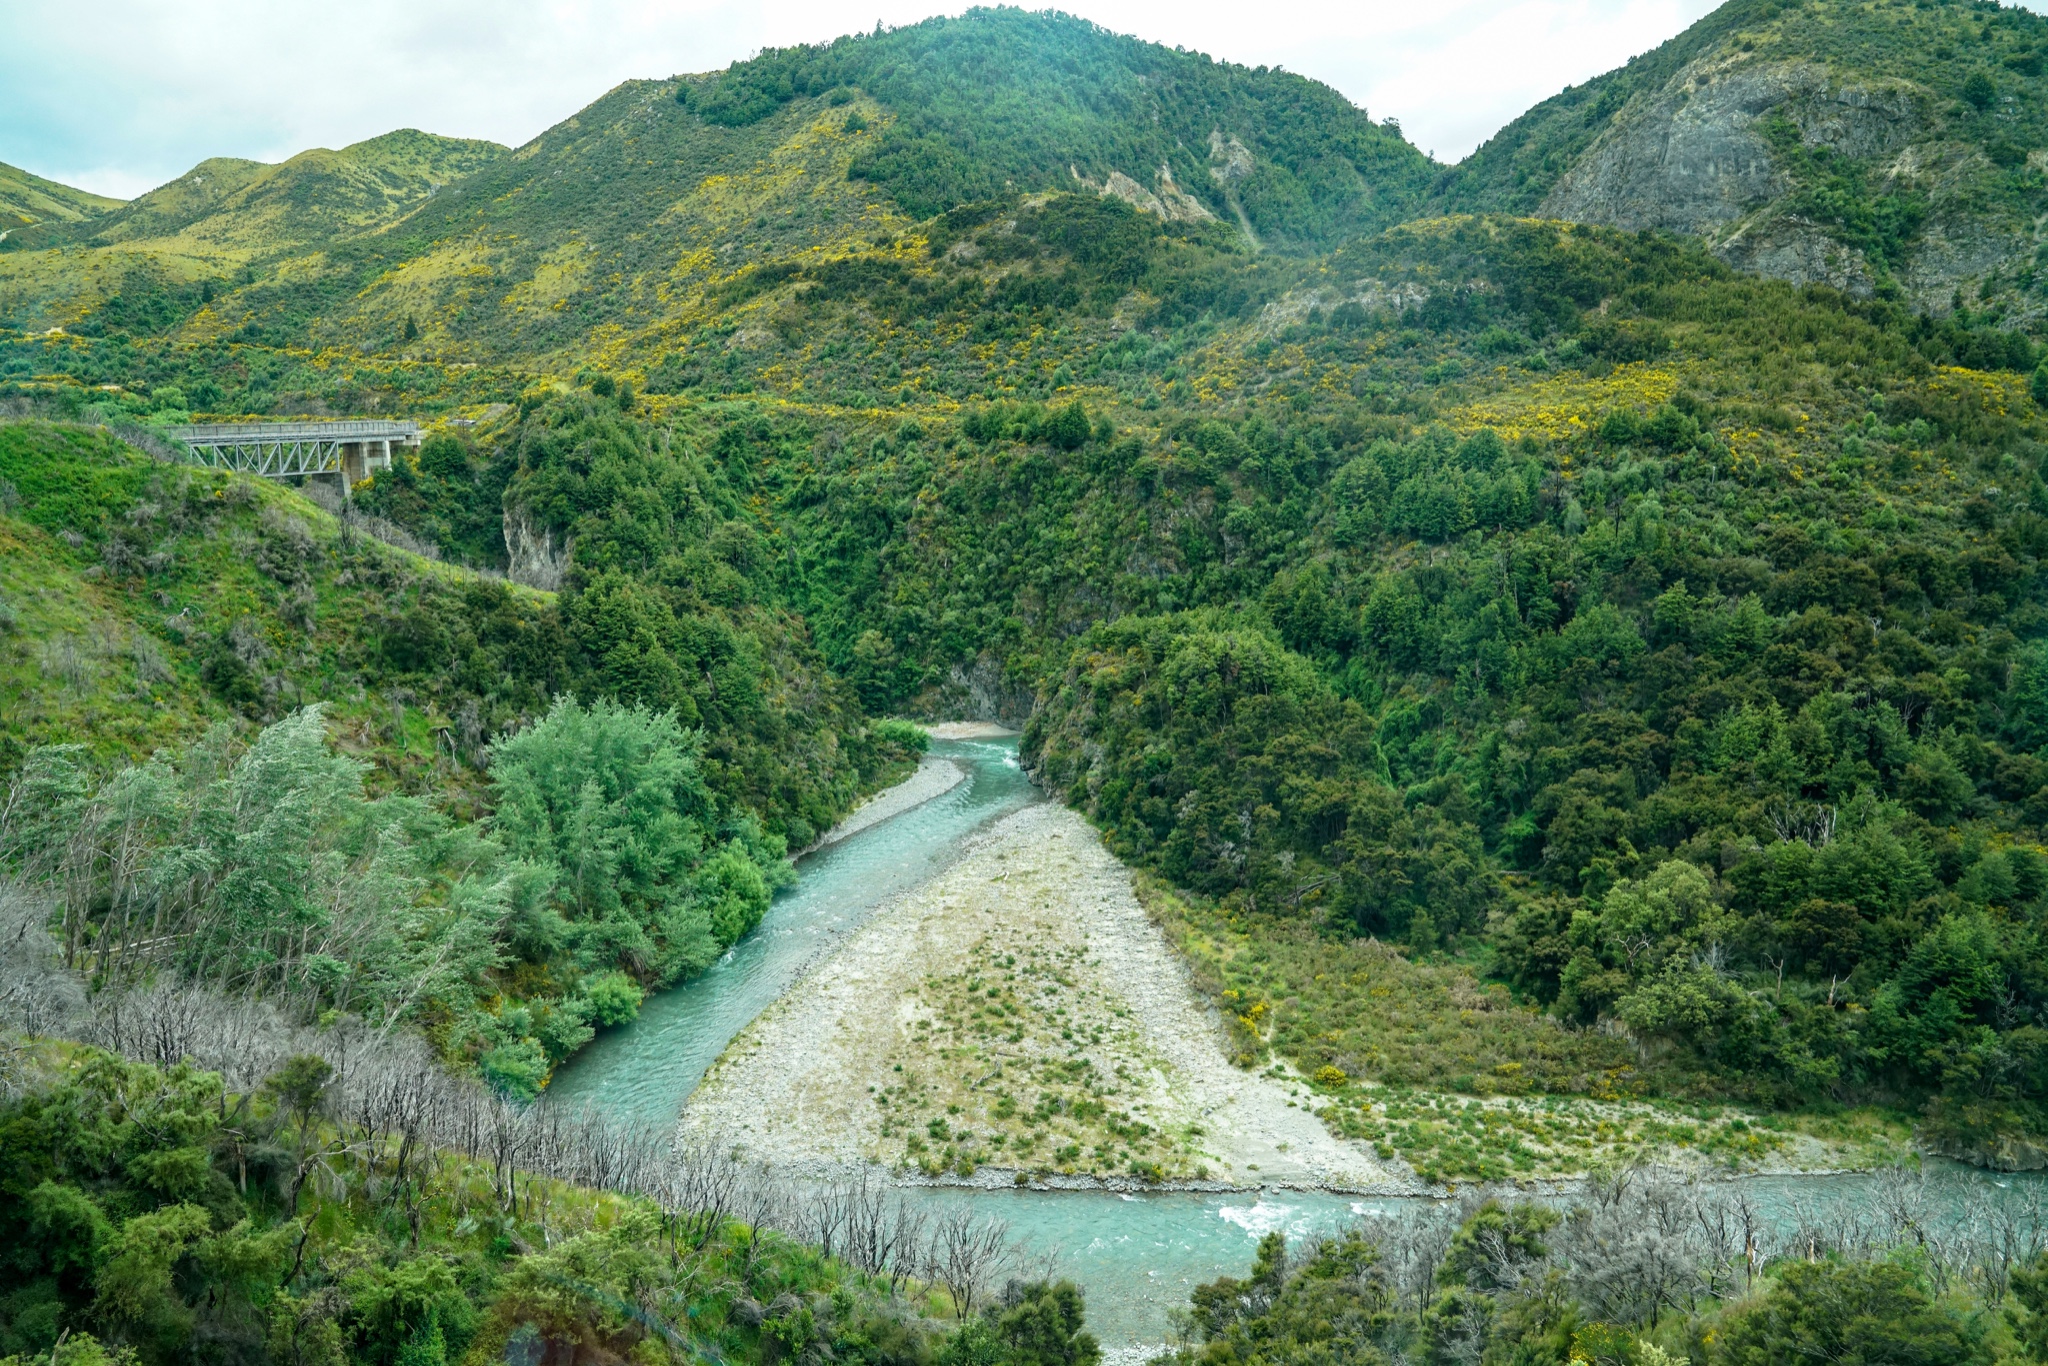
(1519, 657)
(178, 646)
(1623, 636)
(1659, 642)
(354, 1206)
(1004, 101)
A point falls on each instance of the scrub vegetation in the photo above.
(1569, 700)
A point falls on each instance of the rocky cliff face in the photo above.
(1687, 158)
(1880, 146)
(1696, 157)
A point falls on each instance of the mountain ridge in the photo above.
(1879, 147)
(1805, 140)
(27, 199)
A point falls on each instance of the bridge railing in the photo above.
(218, 433)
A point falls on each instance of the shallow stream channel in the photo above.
(1136, 1255)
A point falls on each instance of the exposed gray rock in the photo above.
(1371, 295)
(981, 692)
(1687, 158)
(1787, 247)
(1861, 120)
(1121, 186)
(1180, 206)
(1956, 248)
(1229, 160)
(2001, 1152)
(1171, 203)
(1692, 158)
(532, 556)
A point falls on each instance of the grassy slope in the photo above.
(27, 199)
(1460, 1081)
(151, 601)
(192, 196)
(315, 197)
(600, 233)
(226, 216)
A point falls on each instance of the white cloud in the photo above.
(146, 88)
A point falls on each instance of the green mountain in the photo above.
(1002, 100)
(1877, 147)
(1658, 641)
(27, 200)
(255, 211)
(154, 263)
(617, 228)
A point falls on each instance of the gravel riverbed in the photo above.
(932, 778)
(1021, 1001)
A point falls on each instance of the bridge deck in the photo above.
(352, 429)
(353, 448)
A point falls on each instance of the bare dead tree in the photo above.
(964, 1256)
(1417, 1248)
(36, 995)
(1808, 822)
(394, 1112)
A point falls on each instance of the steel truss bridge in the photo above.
(290, 450)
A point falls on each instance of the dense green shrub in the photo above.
(150, 1216)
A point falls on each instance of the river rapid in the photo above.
(1136, 1255)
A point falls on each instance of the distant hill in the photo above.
(165, 253)
(169, 207)
(26, 200)
(671, 226)
(1878, 146)
(248, 208)
(631, 224)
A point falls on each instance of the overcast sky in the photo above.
(120, 95)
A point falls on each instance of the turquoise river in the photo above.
(1137, 1256)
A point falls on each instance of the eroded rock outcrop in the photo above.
(1696, 156)
(532, 556)
(1170, 203)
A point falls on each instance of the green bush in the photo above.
(614, 999)
(518, 1069)
(1857, 1311)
